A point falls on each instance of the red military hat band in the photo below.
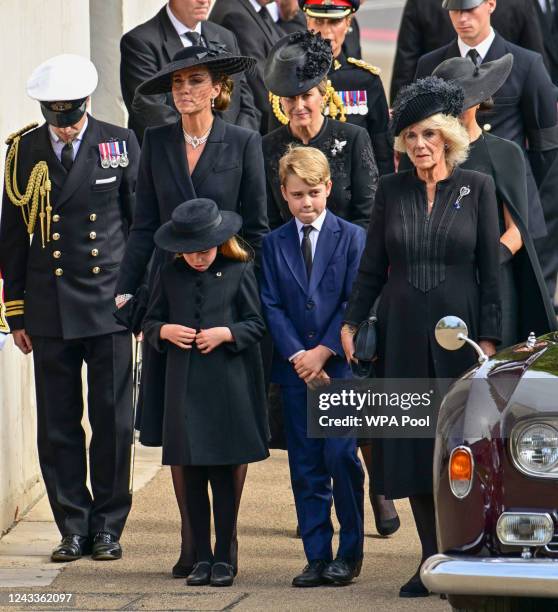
(329, 8)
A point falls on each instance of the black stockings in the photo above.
(384, 509)
(425, 520)
(221, 478)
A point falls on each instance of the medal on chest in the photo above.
(113, 153)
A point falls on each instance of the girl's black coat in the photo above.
(215, 410)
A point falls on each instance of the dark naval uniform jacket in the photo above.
(151, 46)
(66, 289)
(524, 111)
(361, 83)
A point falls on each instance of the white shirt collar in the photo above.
(56, 139)
(272, 8)
(482, 48)
(316, 224)
(180, 28)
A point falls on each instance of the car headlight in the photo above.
(535, 449)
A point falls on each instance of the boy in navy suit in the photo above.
(309, 265)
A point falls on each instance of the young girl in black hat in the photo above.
(205, 313)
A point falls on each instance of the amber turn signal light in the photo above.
(461, 470)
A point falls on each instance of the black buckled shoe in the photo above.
(342, 571)
(71, 548)
(200, 574)
(106, 547)
(311, 575)
(222, 574)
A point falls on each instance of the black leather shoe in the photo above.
(380, 506)
(71, 548)
(106, 547)
(311, 575)
(222, 574)
(200, 575)
(414, 588)
(342, 571)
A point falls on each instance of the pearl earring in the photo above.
(212, 102)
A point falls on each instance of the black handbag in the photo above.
(366, 339)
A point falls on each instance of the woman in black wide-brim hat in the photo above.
(204, 314)
(431, 250)
(198, 156)
(296, 72)
(526, 305)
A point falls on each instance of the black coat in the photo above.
(255, 38)
(426, 26)
(230, 171)
(92, 211)
(426, 268)
(549, 29)
(524, 111)
(351, 46)
(353, 171)
(214, 407)
(506, 165)
(151, 46)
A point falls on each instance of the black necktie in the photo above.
(306, 247)
(267, 19)
(475, 57)
(67, 157)
(195, 38)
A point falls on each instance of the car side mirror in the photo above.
(451, 333)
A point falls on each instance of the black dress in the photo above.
(214, 404)
(526, 305)
(353, 170)
(426, 267)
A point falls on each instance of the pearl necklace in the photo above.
(195, 141)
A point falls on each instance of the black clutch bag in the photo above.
(366, 340)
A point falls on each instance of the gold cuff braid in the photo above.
(36, 199)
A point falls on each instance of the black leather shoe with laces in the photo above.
(71, 547)
(311, 575)
(342, 571)
(106, 547)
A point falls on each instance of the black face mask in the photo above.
(63, 118)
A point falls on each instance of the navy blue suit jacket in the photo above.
(301, 314)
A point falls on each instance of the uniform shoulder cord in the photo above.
(4, 327)
(332, 102)
(36, 199)
(364, 65)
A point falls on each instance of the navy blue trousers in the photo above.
(322, 470)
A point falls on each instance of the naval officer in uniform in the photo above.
(67, 204)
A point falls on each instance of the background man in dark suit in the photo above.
(256, 31)
(152, 45)
(548, 18)
(59, 292)
(425, 26)
(524, 110)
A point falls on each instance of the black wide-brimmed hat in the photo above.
(424, 98)
(216, 60)
(479, 83)
(296, 63)
(461, 5)
(197, 225)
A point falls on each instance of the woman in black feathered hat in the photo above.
(526, 305)
(431, 250)
(200, 155)
(204, 313)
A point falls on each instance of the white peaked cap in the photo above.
(63, 77)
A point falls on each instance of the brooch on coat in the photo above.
(464, 191)
(338, 147)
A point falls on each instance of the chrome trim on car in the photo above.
(501, 576)
(468, 451)
(514, 436)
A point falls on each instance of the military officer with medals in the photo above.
(357, 83)
(67, 205)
